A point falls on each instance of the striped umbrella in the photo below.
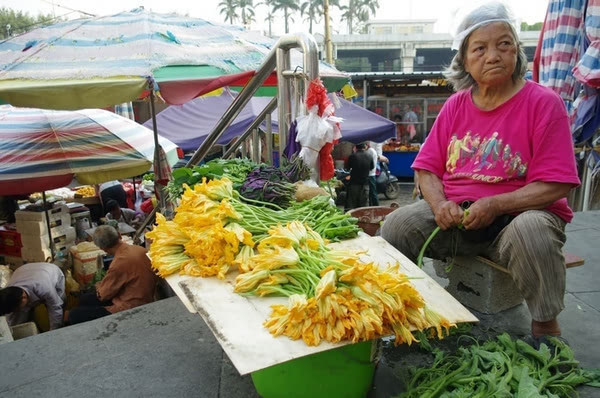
(42, 149)
(103, 61)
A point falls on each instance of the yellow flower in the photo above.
(216, 189)
(242, 259)
(437, 321)
(274, 258)
(283, 234)
(403, 334)
(243, 236)
(326, 285)
(249, 280)
(275, 241)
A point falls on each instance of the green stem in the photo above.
(422, 252)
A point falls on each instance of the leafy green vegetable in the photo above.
(502, 367)
(234, 169)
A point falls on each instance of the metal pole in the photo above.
(157, 166)
(48, 226)
(235, 108)
(365, 93)
(311, 68)
(269, 139)
(255, 146)
(328, 44)
(255, 123)
(139, 231)
(587, 183)
(284, 106)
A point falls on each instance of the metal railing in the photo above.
(278, 58)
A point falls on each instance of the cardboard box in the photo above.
(85, 261)
(54, 213)
(39, 228)
(41, 255)
(60, 236)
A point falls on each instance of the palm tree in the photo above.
(247, 9)
(358, 12)
(313, 9)
(270, 13)
(288, 7)
(228, 8)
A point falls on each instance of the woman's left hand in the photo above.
(481, 214)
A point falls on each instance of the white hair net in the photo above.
(479, 14)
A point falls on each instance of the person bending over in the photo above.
(30, 285)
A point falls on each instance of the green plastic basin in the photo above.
(342, 372)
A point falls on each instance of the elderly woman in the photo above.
(502, 148)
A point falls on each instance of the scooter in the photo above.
(387, 183)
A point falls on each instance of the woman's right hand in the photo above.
(448, 214)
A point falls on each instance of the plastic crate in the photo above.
(400, 163)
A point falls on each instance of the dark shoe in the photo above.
(536, 342)
(553, 343)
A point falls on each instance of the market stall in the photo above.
(189, 124)
(41, 150)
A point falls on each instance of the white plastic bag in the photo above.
(313, 133)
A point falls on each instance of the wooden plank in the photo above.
(571, 261)
(237, 321)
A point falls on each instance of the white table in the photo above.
(237, 321)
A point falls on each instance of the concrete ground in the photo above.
(162, 350)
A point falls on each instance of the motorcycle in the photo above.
(387, 184)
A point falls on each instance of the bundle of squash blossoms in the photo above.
(332, 294)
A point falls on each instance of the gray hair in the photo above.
(456, 74)
(106, 237)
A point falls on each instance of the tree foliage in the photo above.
(228, 8)
(357, 12)
(14, 22)
(536, 26)
(289, 7)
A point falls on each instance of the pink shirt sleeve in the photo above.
(553, 157)
(434, 152)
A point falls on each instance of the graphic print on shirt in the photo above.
(485, 159)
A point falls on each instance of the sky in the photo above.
(529, 11)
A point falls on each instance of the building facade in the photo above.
(397, 69)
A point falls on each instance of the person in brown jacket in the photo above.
(128, 283)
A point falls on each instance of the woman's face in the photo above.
(491, 54)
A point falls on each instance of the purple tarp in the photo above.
(189, 124)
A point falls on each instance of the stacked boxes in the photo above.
(34, 233)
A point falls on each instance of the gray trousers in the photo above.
(530, 247)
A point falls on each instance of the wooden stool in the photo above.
(487, 287)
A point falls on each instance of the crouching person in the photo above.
(128, 283)
(30, 285)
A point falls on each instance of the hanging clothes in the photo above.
(587, 70)
(560, 46)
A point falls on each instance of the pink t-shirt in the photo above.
(480, 153)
